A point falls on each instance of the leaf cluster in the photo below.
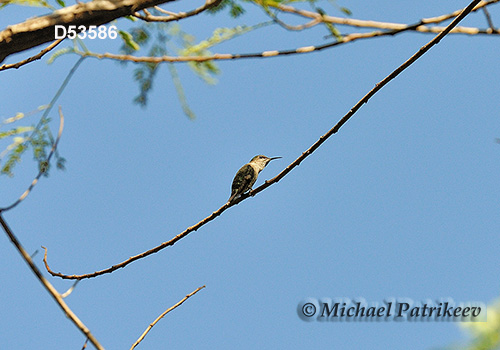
(22, 138)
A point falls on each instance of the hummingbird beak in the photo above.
(274, 158)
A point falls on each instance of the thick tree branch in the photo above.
(32, 58)
(39, 30)
(289, 168)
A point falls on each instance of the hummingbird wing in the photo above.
(243, 181)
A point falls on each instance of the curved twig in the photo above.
(381, 25)
(295, 28)
(282, 174)
(42, 170)
(172, 16)
(146, 253)
(318, 18)
(70, 290)
(163, 314)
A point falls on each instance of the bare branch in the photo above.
(144, 254)
(388, 29)
(365, 98)
(300, 27)
(70, 290)
(488, 19)
(162, 11)
(39, 30)
(385, 25)
(163, 314)
(227, 56)
(438, 19)
(282, 174)
(41, 171)
(32, 58)
(172, 16)
(50, 289)
(290, 27)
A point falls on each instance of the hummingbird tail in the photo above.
(232, 197)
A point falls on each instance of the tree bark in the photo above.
(40, 30)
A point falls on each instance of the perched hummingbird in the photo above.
(247, 175)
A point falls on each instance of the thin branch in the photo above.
(439, 19)
(70, 290)
(180, 91)
(163, 314)
(421, 27)
(144, 254)
(390, 29)
(226, 56)
(365, 98)
(299, 27)
(488, 18)
(384, 25)
(42, 170)
(32, 58)
(48, 108)
(158, 8)
(290, 27)
(295, 163)
(172, 16)
(50, 289)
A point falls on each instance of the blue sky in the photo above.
(403, 202)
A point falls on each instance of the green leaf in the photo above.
(131, 18)
(16, 131)
(61, 163)
(207, 69)
(32, 3)
(43, 166)
(14, 158)
(59, 53)
(346, 11)
(235, 9)
(331, 28)
(14, 118)
(129, 40)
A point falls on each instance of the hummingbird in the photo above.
(247, 175)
